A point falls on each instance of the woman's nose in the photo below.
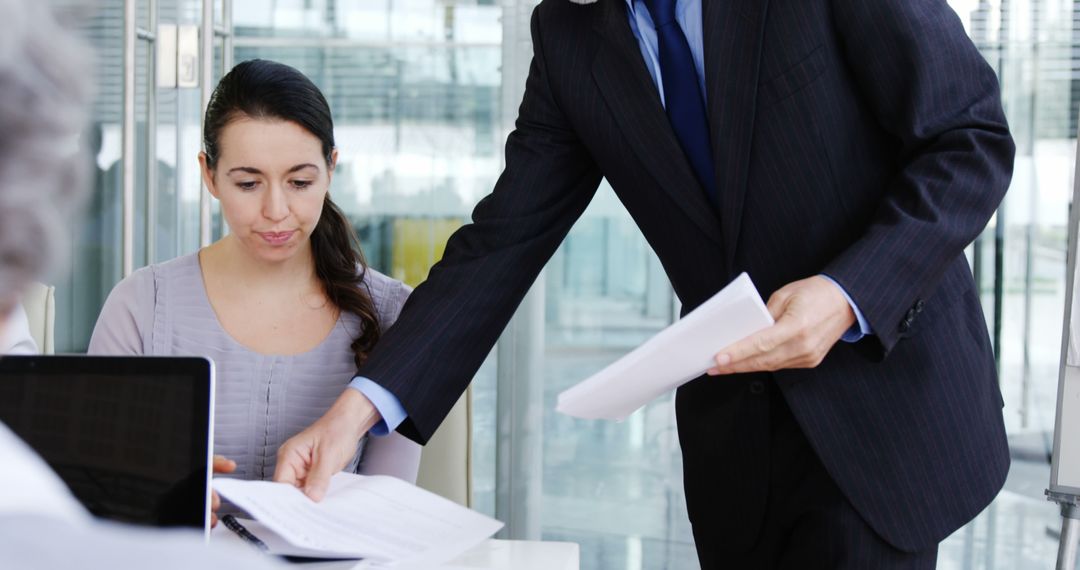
(275, 205)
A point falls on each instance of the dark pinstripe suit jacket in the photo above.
(863, 139)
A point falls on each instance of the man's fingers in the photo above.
(741, 350)
(755, 365)
(768, 361)
(754, 346)
(290, 469)
(778, 303)
(783, 345)
(289, 474)
(318, 479)
(215, 501)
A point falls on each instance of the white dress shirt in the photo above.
(29, 487)
(15, 339)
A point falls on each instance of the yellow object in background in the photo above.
(418, 243)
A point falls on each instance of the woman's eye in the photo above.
(246, 185)
(301, 184)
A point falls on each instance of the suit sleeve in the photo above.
(452, 320)
(931, 89)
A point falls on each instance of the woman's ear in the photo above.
(207, 175)
(332, 165)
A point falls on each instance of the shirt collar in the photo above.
(29, 487)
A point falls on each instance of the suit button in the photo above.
(905, 325)
(757, 387)
(919, 304)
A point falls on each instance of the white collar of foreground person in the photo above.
(17, 340)
(29, 487)
(43, 527)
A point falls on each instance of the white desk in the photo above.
(491, 554)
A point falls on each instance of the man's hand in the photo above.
(309, 458)
(811, 316)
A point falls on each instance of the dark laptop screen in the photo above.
(129, 435)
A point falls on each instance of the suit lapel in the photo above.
(733, 33)
(628, 89)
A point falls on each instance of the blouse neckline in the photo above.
(204, 299)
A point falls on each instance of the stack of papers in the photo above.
(678, 354)
(377, 518)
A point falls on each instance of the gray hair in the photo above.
(44, 91)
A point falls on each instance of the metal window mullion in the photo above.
(267, 42)
(128, 143)
(519, 358)
(151, 135)
(206, 70)
(227, 25)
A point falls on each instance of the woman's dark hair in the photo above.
(262, 89)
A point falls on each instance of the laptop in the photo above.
(130, 436)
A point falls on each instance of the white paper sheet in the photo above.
(676, 355)
(379, 518)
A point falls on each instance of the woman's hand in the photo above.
(221, 465)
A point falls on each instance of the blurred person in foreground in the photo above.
(17, 340)
(43, 96)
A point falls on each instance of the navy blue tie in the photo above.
(682, 96)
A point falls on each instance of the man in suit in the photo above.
(843, 153)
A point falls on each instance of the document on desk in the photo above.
(377, 518)
(676, 355)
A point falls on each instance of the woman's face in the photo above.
(271, 179)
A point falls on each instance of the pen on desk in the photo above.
(234, 525)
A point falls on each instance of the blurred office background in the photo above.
(424, 93)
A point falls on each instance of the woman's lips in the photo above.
(276, 238)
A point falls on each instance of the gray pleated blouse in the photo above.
(261, 399)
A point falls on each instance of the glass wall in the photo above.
(1032, 44)
(165, 221)
(96, 245)
(615, 488)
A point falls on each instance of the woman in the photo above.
(284, 304)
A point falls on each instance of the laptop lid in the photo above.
(131, 436)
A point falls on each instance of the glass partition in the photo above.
(166, 131)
